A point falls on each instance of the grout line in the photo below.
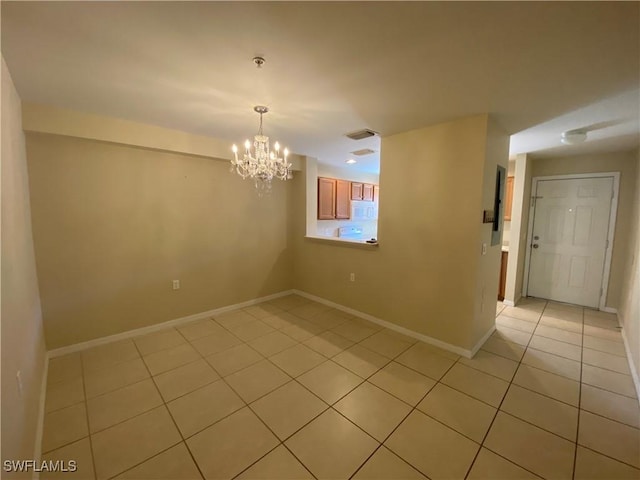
(575, 449)
(86, 409)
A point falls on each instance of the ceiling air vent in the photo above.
(360, 134)
(364, 151)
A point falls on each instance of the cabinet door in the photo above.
(326, 198)
(356, 191)
(509, 199)
(367, 192)
(376, 193)
(343, 200)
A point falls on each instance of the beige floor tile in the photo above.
(489, 466)
(549, 384)
(423, 360)
(436, 450)
(278, 464)
(200, 328)
(114, 407)
(361, 361)
(593, 466)
(64, 426)
(172, 464)
(234, 318)
(170, 358)
(251, 330)
(530, 447)
(611, 405)
(289, 301)
(185, 379)
(64, 394)
(66, 367)
(228, 447)
(552, 363)
(604, 333)
(402, 382)
(427, 348)
(606, 360)
(575, 338)
(330, 381)
(610, 323)
(309, 310)
(373, 410)
(257, 380)
(328, 344)
(604, 345)
(568, 325)
(297, 360)
(80, 453)
(515, 323)
(477, 384)
(567, 316)
(562, 349)
(386, 465)
(154, 342)
(512, 335)
(126, 444)
(234, 359)
(532, 303)
(288, 408)
(456, 410)
(280, 320)
(107, 355)
(302, 330)
(385, 345)
(610, 438)
(216, 343)
(331, 447)
(329, 318)
(272, 343)
(544, 412)
(505, 349)
(97, 382)
(522, 313)
(203, 407)
(608, 380)
(492, 364)
(262, 310)
(564, 310)
(354, 331)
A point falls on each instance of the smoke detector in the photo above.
(573, 137)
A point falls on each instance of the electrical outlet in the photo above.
(19, 380)
(352, 277)
(484, 249)
(176, 284)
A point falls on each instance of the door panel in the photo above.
(569, 241)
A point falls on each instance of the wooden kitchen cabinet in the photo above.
(333, 199)
(356, 190)
(376, 193)
(503, 275)
(367, 192)
(508, 203)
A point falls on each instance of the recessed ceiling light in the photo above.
(351, 161)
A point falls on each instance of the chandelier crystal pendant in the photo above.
(259, 162)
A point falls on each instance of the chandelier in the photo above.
(259, 162)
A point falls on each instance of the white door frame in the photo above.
(610, 233)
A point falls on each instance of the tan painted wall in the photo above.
(629, 307)
(623, 162)
(23, 346)
(114, 225)
(423, 275)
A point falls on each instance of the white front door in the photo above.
(569, 239)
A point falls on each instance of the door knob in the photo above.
(535, 245)
(536, 237)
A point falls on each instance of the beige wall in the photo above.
(629, 306)
(623, 162)
(424, 274)
(114, 225)
(23, 346)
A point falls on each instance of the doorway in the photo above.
(571, 227)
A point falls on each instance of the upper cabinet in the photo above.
(362, 191)
(356, 190)
(367, 192)
(333, 199)
(509, 199)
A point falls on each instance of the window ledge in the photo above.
(342, 242)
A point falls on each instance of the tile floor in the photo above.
(292, 389)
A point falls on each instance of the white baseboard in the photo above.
(609, 310)
(37, 452)
(508, 303)
(160, 326)
(632, 367)
(391, 326)
(486, 336)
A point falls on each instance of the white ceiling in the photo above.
(334, 67)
